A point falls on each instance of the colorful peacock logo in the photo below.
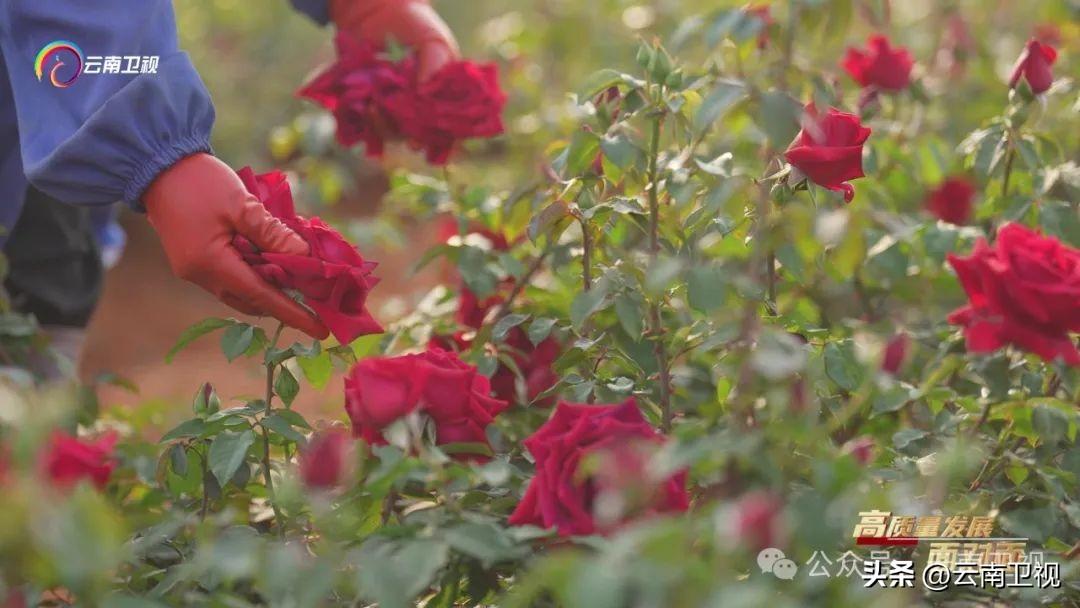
(60, 50)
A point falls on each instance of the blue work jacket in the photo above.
(97, 99)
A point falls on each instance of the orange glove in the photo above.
(410, 22)
(197, 206)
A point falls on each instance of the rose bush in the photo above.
(670, 336)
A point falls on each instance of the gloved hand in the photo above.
(411, 22)
(197, 206)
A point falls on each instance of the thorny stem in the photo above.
(519, 285)
(657, 331)
(586, 256)
(267, 477)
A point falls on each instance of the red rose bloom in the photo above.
(69, 460)
(896, 352)
(333, 278)
(324, 462)
(828, 149)
(1025, 291)
(1034, 65)
(757, 520)
(880, 66)
(564, 496)
(952, 201)
(373, 98)
(461, 101)
(437, 383)
(360, 89)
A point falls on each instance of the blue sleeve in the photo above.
(319, 10)
(93, 131)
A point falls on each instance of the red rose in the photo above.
(359, 89)
(758, 521)
(437, 383)
(880, 66)
(333, 278)
(952, 201)
(69, 460)
(1025, 291)
(861, 449)
(460, 101)
(564, 495)
(373, 98)
(1034, 65)
(828, 149)
(896, 352)
(324, 462)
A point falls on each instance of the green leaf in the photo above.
(279, 425)
(485, 542)
(631, 316)
(505, 324)
(227, 453)
(1050, 423)
(540, 329)
(548, 220)
(905, 437)
(236, 340)
(286, 386)
(294, 418)
(195, 332)
(706, 287)
(187, 428)
(841, 366)
(588, 302)
(317, 369)
(723, 97)
(779, 118)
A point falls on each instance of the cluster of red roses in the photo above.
(828, 148)
(374, 98)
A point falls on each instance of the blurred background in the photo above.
(254, 55)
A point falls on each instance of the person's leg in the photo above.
(55, 273)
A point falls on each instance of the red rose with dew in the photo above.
(333, 278)
(828, 149)
(589, 456)
(952, 201)
(879, 65)
(1033, 65)
(360, 89)
(757, 520)
(435, 383)
(896, 352)
(69, 460)
(325, 461)
(1023, 290)
(463, 100)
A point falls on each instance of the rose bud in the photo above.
(952, 201)
(206, 401)
(324, 462)
(896, 352)
(69, 460)
(758, 520)
(1034, 66)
